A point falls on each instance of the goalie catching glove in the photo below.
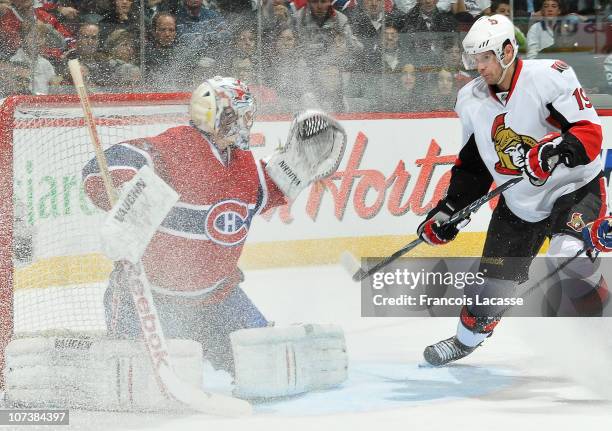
(434, 230)
(315, 145)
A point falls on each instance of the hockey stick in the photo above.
(539, 283)
(360, 274)
(153, 335)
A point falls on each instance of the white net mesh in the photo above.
(59, 273)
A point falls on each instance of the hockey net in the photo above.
(52, 274)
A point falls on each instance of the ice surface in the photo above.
(533, 374)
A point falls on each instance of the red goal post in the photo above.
(56, 286)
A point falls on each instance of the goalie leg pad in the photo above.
(94, 374)
(276, 362)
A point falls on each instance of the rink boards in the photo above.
(395, 169)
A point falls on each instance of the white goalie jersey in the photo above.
(545, 96)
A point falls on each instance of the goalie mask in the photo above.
(223, 108)
(489, 33)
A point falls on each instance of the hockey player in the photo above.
(529, 118)
(191, 262)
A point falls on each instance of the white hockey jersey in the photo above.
(545, 96)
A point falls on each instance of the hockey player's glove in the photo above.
(598, 235)
(541, 160)
(433, 230)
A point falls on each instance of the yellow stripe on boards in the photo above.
(64, 271)
(95, 268)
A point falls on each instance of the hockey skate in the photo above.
(446, 351)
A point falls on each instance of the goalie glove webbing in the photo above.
(314, 148)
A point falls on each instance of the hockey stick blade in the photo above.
(464, 213)
(202, 401)
(360, 274)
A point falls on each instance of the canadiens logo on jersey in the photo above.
(510, 146)
(227, 222)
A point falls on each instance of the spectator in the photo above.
(237, 10)
(454, 64)
(475, 8)
(66, 12)
(445, 91)
(244, 46)
(429, 23)
(153, 7)
(426, 17)
(202, 32)
(163, 68)
(405, 5)
(388, 55)
(122, 63)
(318, 25)
(502, 7)
(123, 16)
(325, 88)
(23, 11)
(87, 51)
(205, 66)
(541, 34)
(43, 75)
(525, 8)
(276, 14)
(286, 70)
(93, 10)
(404, 97)
(194, 19)
(367, 20)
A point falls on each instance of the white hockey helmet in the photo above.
(489, 33)
(225, 106)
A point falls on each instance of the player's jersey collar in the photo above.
(223, 157)
(504, 96)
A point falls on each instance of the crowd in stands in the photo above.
(342, 55)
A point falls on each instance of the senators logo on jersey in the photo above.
(510, 147)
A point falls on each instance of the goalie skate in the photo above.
(446, 351)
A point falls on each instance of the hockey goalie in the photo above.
(199, 188)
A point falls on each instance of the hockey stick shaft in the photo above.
(455, 218)
(539, 283)
(79, 84)
(154, 339)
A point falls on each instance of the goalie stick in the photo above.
(463, 214)
(153, 335)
